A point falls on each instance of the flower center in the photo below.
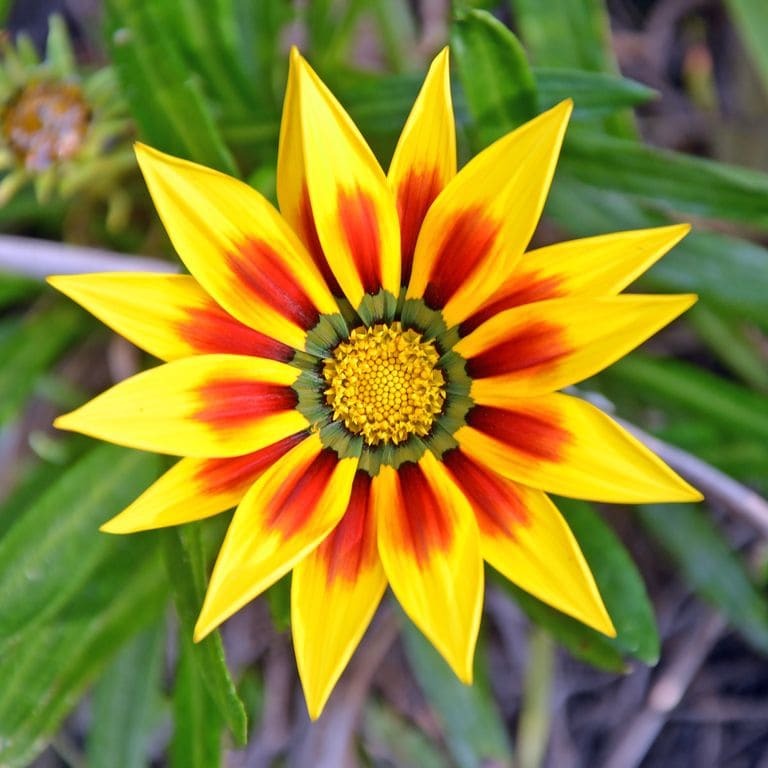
(46, 123)
(384, 383)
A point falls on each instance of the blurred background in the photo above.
(671, 124)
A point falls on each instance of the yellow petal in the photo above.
(538, 348)
(524, 537)
(197, 488)
(429, 546)
(206, 406)
(335, 591)
(593, 266)
(292, 191)
(425, 157)
(237, 246)
(564, 445)
(290, 509)
(353, 208)
(169, 316)
(481, 223)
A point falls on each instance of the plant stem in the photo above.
(535, 711)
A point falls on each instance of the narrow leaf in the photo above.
(197, 724)
(690, 185)
(498, 84)
(45, 675)
(618, 580)
(712, 569)
(470, 719)
(50, 552)
(671, 382)
(31, 347)
(126, 702)
(583, 643)
(186, 565)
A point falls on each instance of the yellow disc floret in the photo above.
(384, 383)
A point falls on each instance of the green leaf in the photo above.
(618, 580)
(472, 725)
(710, 567)
(393, 739)
(197, 724)
(16, 288)
(45, 674)
(572, 34)
(726, 271)
(671, 382)
(165, 97)
(593, 93)
(31, 482)
(54, 547)
(582, 642)
(186, 565)
(33, 345)
(751, 20)
(668, 179)
(255, 34)
(126, 701)
(621, 588)
(497, 81)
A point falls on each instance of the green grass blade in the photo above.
(54, 547)
(31, 347)
(497, 81)
(751, 19)
(45, 675)
(618, 580)
(469, 716)
(185, 560)
(671, 180)
(711, 568)
(126, 703)
(197, 724)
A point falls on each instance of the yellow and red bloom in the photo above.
(370, 376)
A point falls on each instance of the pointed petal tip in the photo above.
(563, 109)
(66, 422)
(114, 526)
(596, 615)
(442, 57)
(202, 628)
(316, 703)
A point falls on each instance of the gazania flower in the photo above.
(370, 376)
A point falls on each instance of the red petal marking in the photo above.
(415, 194)
(357, 215)
(466, 242)
(353, 542)
(260, 269)
(212, 330)
(423, 525)
(232, 402)
(530, 288)
(539, 435)
(225, 475)
(531, 348)
(312, 241)
(497, 505)
(288, 510)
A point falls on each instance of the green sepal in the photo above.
(416, 314)
(326, 334)
(377, 308)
